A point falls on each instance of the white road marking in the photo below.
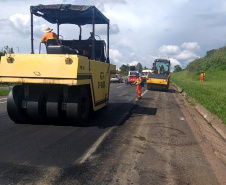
(119, 87)
(94, 147)
(2, 100)
(98, 142)
(141, 95)
(144, 92)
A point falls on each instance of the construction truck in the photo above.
(131, 75)
(145, 72)
(160, 77)
(62, 86)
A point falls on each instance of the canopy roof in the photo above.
(69, 14)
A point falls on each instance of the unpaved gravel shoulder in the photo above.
(211, 137)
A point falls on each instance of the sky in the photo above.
(140, 31)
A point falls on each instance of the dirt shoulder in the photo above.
(209, 131)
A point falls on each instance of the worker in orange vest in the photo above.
(49, 35)
(139, 86)
(202, 76)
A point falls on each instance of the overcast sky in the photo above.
(140, 31)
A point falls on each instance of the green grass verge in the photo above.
(4, 92)
(211, 93)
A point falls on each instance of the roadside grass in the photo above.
(4, 92)
(211, 93)
(8, 84)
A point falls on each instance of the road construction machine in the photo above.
(131, 75)
(62, 86)
(160, 77)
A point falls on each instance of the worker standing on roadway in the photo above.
(139, 86)
(49, 35)
(202, 76)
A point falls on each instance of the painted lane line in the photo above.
(94, 147)
(119, 87)
(144, 92)
(3, 98)
(141, 95)
(3, 102)
(98, 142)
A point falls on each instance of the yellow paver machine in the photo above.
(63, 85)
(160, 77)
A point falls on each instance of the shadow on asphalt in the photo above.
(114, 114)
(144, 110)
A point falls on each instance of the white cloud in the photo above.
(115, 56)
(133, 63)
(102, 29)
(173, 63)
(169, 50)
(20, 22)
(139, 31)
(185, 55)
(114, 29)
(132, 54)
(191, 46)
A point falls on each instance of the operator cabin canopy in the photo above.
(69, 14)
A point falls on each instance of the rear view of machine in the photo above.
(160, 78)
(64, 85)
(131, 75)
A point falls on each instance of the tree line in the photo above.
(124, 69)
(6, 49)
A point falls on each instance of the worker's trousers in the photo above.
(139, 87)
(201, 78)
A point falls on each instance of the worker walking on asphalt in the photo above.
(202, 76)
(139, 86)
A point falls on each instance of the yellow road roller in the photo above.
(63, 85)
(160, 77)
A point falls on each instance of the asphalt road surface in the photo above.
(149, 141)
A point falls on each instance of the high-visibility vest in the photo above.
(49, 35)
(138, 80)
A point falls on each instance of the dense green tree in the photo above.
(139, 67)
(6, 49)
(124, 69)
(177, 68)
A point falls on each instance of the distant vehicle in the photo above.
(117, 78)
(145, 73)
(131, 77)
(160, 78)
